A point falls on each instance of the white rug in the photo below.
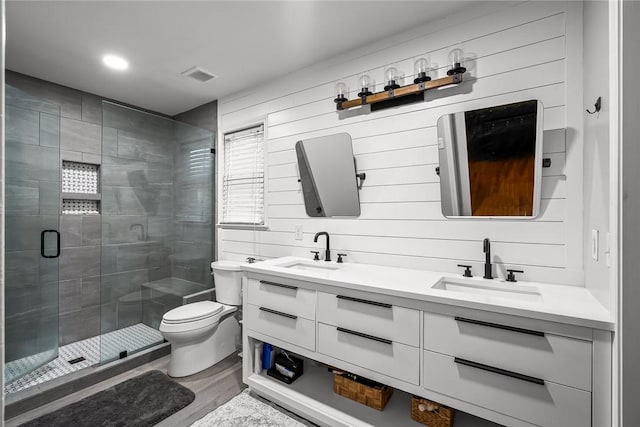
(246, 411)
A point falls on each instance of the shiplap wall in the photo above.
(530, 50)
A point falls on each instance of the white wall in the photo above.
(524, 51)
(596, 147)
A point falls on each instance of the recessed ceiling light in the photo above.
(115, 62)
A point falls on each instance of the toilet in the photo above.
(203, 333)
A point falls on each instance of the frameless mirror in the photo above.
(328, 176)
(491, 161)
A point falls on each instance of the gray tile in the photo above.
(91, 290)
(91, 108)
(93, 159)
(71, 230)
(49, 130)
(21, 267)
(49, 269)
(145, 198)
(196, 232)
(124, 228)
(73, 156)
(80, 136)
(69, 100)
(78, 325)
(91, 230)
(205, 116)
(126, 172)
(31, 298)
(193, 201)
(135, 146)
(138, 122)
(70, 295)
(79, 262)
(115, 286)
(134, 256)
(192, 261)
(161, 228)
(18, 98)
(31, 162)
(22, 197)
(22, 125)
(50, 198)
(22, 232)
(109, 141)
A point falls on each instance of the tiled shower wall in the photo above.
(80, 140)
(100, 289)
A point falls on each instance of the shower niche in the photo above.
(80, 188)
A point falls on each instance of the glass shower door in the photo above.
(32, 241)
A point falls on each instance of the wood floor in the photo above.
(213, 387)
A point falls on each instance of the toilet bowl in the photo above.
(203, 333)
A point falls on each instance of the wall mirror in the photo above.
(491, 161)
(328, 176)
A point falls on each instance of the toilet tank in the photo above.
(227, 278)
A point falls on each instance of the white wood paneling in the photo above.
(522, 51)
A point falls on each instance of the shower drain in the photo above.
(76, 360)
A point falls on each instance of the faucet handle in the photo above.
(467, 270)
(339, 261)
(251, 260)
(512, 277)
(316, 257)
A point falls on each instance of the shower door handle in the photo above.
(42, 235)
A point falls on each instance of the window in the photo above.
(243, 177)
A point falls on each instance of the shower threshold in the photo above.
(83, 354)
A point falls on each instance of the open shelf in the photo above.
(316, 384)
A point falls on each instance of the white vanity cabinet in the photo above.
(372, 334)
(530, 374)
(511, 369)
(280, 308)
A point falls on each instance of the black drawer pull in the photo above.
(279, 313)
(364, 301)
(499, 371)
(367, 336)
(280, 285)
(498, 326)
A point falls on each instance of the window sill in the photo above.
(243, 227)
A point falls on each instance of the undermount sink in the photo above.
(314, 266)
(488, 290)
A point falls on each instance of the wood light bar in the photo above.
(392, 96)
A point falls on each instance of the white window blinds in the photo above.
(243, 179)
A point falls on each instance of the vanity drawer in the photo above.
(283, 296)
(282, 325)
(548, 404)
(371, 317)
(550, 357)
(387, 357)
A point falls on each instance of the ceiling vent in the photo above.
(199, 74)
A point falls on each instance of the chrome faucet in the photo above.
(486, 248)
(327, 252)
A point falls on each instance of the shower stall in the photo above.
(98, 246)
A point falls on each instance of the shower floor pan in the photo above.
(105, 347)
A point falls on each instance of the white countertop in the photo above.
(558, 303)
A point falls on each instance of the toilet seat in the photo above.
(192, 312)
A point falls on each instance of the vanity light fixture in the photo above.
(391, 75)
(456, 59)
(341, 92)
(366, 84)
(421, 69)
(115, 62)
(394, 94)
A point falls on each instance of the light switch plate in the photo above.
(298, 232)
(594, 244)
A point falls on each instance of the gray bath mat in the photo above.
(141, 401)
(246, 411)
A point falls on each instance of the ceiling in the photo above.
(245, 43)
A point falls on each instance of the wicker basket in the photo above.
(431, 413)
(373, 397)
